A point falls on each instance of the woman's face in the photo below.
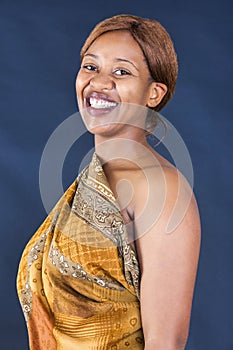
(113, 71)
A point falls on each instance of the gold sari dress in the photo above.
(78, 279)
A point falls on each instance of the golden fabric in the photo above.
(78, 279)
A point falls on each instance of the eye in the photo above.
(121, 72)
(90, 67)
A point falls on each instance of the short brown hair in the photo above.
(155, 43)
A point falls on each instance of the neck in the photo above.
(123, 152)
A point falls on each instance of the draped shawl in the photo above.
(78, 278)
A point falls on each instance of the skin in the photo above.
(146, 186)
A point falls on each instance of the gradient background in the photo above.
(39, 58)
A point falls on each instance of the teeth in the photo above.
(98, 103)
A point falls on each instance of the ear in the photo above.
(157, 92)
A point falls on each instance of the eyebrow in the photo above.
(116, 59)
(124, 60)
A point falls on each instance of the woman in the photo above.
(102, 272)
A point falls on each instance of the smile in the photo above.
(100, 103)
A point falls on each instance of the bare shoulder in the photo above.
(163, 200)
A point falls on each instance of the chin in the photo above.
(109, 130)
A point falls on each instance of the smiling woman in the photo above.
(102, 272)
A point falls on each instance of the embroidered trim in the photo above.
(33, 256)
(99, 213)
(68, 268)
(95, 203)
(26, 301)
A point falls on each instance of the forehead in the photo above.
(115, 42)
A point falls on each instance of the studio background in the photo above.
(40, 43)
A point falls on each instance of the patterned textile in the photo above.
(78, 279)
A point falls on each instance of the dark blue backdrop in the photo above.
(40, 43)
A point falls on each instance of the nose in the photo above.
(102, 81)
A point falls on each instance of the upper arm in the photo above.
(168, 261)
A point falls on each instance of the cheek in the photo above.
(132, 94)
(126, 92)
(78, 84)
(81, 82)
